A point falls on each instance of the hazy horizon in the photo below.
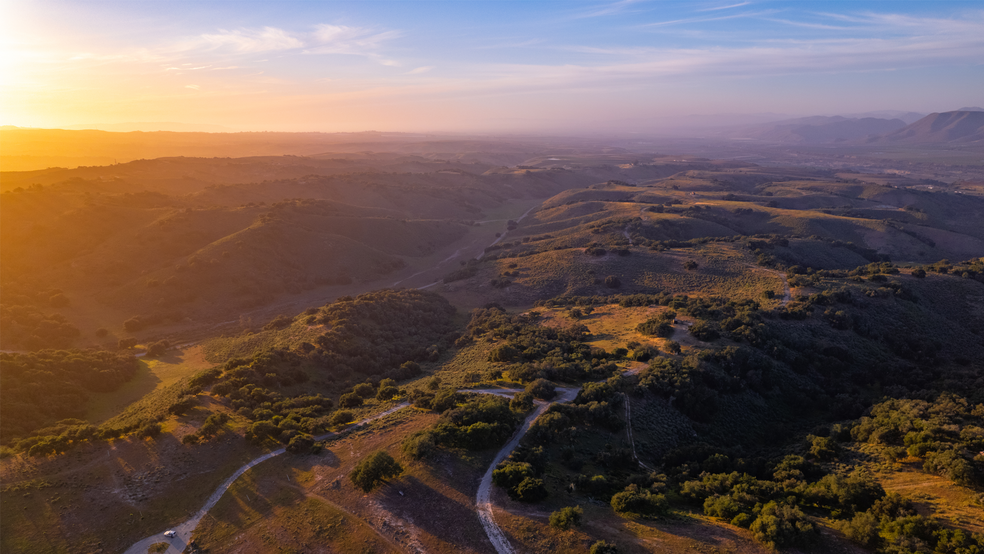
(486, 67)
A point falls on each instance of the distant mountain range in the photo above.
(965, 125)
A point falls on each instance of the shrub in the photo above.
(300, 444)
(350, 400)
(782, 525)
(157, 349)
(375, 469)
(612, 282)
(419, 445)
(510, 474)
(126, 343)
(365, 390)
(541, 388)
(704, 331)
(656, 326)
(444, 400)
(565, 518)
(531, 490)
(823, 448)
(341, 417)
(522, 402)
(151, 430)
(602, 547)
(387, 393)
(634, 502)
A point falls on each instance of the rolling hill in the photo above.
(957, 127)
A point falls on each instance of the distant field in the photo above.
(152, 375)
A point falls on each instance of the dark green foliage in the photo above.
(157, 349)
(40, 388)
(341, 417)
(602, 547)
(444, 400)
(542, 389)
(211, 427)
(567, 517)
(946, 433)
(539, 351)
(781, 524)
(519, 481)
(823, 448)
(351, 400)
(634, 502)
(150, 430)
(365, 390)
(481, 422)
(419, 445)
(521, 402)
(705, 330)
(547, 427)
(182, 406)
(26, 326)
(279, 322)
(508, 475)
(531, 490)
(300, 444)
(656, 326)
(855, 492)
(387, 393)
(503, 353)
(205, 378)
(374, 470)
(695, 385)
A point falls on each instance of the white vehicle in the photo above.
(168, 534)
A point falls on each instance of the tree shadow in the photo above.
(436, 514)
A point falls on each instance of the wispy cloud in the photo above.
(809, 25)
(606, 9)
(250, 40)
(341, 39)
(725, 7)
(419, 70)
(708, 19)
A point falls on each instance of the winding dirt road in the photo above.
(483, 499)
(183, 531)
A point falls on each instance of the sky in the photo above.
(475, 66)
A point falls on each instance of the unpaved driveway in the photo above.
(482, 500)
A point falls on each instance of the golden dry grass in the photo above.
(152, 375)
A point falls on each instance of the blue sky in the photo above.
(481, 66)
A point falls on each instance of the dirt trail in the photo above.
(183, 531)
(503, 235)
(787, 294)
(625, 232)
(628, 430)
(483, 499)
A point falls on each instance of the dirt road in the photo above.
(183, 531)
(483, 500)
